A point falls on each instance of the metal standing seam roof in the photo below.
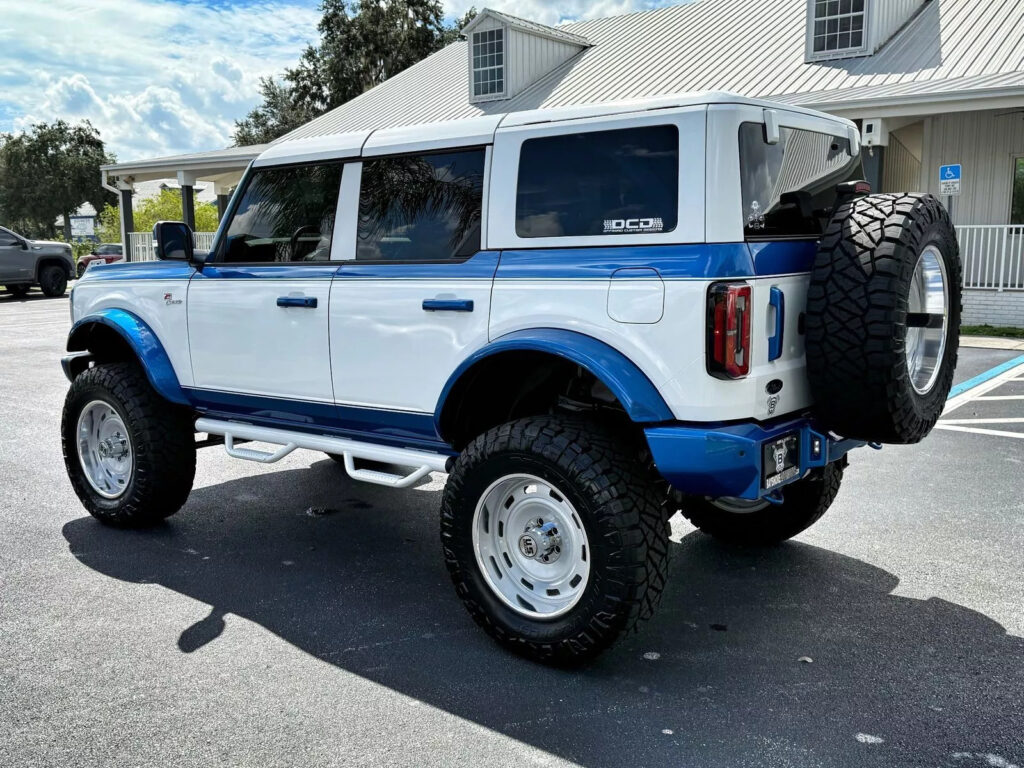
(746, 47)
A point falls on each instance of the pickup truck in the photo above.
(24, 263)
(589, 318)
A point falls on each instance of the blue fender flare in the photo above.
(144, 343)
(638, 396)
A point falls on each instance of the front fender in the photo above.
(143, 342)
(638, 396)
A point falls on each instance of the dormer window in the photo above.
(508, 54)
(838, 29)
(489, 64)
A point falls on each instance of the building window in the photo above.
(619, 182)
(421, 207)
(1017, 203)
(839, 27)
(489, 64)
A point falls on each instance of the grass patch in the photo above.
(991, 330)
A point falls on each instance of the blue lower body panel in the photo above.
(726, 460)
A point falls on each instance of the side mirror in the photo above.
(173, 240)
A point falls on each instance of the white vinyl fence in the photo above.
(992, 256)
(140, 245)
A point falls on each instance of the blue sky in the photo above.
(160, 77)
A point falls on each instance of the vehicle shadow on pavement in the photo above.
(353, 575)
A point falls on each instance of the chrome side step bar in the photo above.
(422, 462)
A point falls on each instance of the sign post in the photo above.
(949, 183)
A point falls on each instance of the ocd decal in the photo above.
(615, 226)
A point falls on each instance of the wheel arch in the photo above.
(53, 261)
(116, 334)
(633, 390)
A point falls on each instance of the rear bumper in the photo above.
(725, 460)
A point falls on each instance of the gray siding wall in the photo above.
(531, 56)
(887, 16)
(985, 143)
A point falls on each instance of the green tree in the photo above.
(47, 173)
(362, 44)
(163, 207)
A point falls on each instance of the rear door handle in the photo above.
(777, 299)
(448, 305)
(297, 301)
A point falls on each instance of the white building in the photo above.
(931, 82)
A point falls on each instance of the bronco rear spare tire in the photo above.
(883, 317)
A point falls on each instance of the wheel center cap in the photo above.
(540, 542)
(113, 448)
(529, 545)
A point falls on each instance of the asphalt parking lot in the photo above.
(288, 616)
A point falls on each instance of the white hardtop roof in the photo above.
(478, 131)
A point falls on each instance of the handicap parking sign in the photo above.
(949, 179)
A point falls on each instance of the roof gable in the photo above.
(524, 25)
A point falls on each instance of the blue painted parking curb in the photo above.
(981, 378)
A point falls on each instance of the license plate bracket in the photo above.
(780, 460)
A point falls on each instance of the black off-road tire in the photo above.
(856, 319)
(80, 269)
(804, 502)
(162, 440)
(620, 505)
(53, 280)
(19, 291)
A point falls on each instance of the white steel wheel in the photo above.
(531, 546)
(104, 449)
(928, 300)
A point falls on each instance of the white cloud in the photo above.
(155, 77)
(158, 77)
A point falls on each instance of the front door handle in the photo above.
(297, 301)
(448, 305)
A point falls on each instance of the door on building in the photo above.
(258, 311)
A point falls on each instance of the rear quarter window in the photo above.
(788, 188)
(615, 182)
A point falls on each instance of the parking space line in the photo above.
(977, 430)
(974, 388)
(1001, 397)
(1013, 420)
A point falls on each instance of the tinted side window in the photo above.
(788, 188)
(286, 214)
(421, 207)
(599, 183)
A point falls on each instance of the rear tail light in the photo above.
(729, 330)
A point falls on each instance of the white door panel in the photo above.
(242, 341)
(387, 351)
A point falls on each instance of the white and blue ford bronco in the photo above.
(589, 318)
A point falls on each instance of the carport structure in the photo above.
(223, 167)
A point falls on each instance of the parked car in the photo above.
(107, 253)
(24, 263)
(589, 317)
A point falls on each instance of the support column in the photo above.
(125, 190)
(223, 192)
(188, 198)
